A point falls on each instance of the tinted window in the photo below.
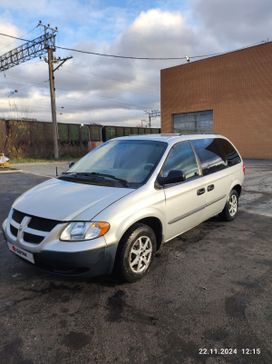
(228, 153)
(181, 158)
(215, 154)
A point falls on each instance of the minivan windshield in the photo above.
(122, 163)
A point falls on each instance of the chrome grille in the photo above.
(14, 231)
(34, 228)
(17, 216)
(33, 239)
(42, 224)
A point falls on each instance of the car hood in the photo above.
(65, 201)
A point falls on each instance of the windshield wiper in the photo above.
(106, 175)
(87, 175)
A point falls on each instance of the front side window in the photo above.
(128, 163)
(215, 154)
(181, 158)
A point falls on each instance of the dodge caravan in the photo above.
(115, 207)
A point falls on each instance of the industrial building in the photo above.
(230, 94)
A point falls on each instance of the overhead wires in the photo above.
(116, 55)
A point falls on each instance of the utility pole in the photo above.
(152, 114)
(50, 60)
(50, 46)
(36, 48)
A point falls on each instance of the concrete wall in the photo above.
(238, 88)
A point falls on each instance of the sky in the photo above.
(110, 91)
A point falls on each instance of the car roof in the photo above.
(169, 138)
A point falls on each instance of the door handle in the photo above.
(200, 191)
(210, 188)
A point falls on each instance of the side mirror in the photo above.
(71, 164)
(174, 176)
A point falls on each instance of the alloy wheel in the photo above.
(233, 205)
(140, 254)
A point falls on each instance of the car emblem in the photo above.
(21, 229)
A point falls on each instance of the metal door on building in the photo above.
(200, 121)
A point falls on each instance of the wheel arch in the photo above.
(238, 188)
(154, 223)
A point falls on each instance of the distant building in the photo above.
(230, 94)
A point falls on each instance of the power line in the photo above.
(141, 58)
(7, 46)
(120, 56)
(116, 55)
(187, 58)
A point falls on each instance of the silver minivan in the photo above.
(115, 207)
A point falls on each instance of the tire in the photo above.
(232, 206)
(136, 253)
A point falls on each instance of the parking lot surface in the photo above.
(45, 169)
(210, 289)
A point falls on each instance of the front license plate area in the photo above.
(21, 253)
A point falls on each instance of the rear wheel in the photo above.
(136, 253)
(231, 208)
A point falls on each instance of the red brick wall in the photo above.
(238, 88)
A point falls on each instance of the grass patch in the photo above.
(36, 160)
(4, 169)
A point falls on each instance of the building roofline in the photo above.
(262, 44)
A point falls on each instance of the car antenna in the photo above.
(57, 174)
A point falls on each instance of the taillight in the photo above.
(244, 168)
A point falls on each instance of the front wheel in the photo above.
(231, 208)
(136, 253)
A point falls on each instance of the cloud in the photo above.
(234, 23)
(103, 85)
(7, 28)
(109, 90)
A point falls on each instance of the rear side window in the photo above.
(229, 153)
(181, 158)
(215, 154)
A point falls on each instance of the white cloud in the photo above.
(234, 23)
(153, 18)
(109, 90)
(7, 28)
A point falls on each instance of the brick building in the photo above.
(230, 94)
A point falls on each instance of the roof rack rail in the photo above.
(199, 133)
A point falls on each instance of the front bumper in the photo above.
(90, 258)
(91, 263)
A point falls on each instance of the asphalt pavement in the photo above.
(207, 295)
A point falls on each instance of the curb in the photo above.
(10, 171)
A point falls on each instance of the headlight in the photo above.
(77, 231)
